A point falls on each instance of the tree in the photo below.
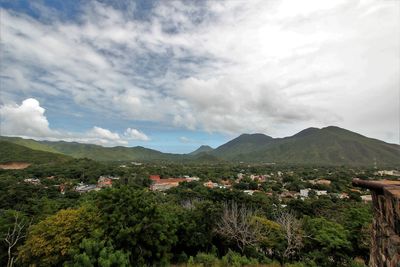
(272, 239)
(49, 241)
(292, 230)
(236, 224)
(327, 242)
(139, 222)
(93, 252)
(14, 235)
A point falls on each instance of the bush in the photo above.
(206, 260)
(295, 264)
(236, 260)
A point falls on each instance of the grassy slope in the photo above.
(29, 143)
(10, 152)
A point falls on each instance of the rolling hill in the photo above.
(10, 152)
(326, 146)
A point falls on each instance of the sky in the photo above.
(173, 75)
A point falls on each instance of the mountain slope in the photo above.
(202, 149)
(119, 153)
(330, 145)
(29, 143)
(243, 144)
(10, 152)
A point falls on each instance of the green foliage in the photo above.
(49, 241)
(272, 239)
(138, 223)
(235, 259)
(327, 241)
(206, 260)
(93, 252)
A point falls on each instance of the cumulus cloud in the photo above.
(134, 134)
(219, 66)
(29, 120)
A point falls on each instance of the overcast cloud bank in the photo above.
(274, 67)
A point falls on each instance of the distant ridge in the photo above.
(326, 146)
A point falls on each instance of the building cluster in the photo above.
(159, 184)
(102, 182)
(388, 173)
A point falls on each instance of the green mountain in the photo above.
(10, 152)
(30, 143)
(326, 146)
(243, 144)
(202, 149)
(331, 145)
(118, 153)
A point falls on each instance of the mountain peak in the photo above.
(202, 149)
(306, 132)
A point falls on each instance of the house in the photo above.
(62, 189)
(84, 188)
(323, 182)
(167, 183)
(32, 181)
(321, 192)
(226, 183)
(155, 178)
(258, 178)
(210, 184)
(366, 198)
(104, 182)
(191, 179)
(249, 192)
(388, 172)
(288, 194)
(304, 192)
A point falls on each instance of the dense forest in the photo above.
(130, 225)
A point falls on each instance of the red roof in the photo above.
(155, 177)
(170, 180)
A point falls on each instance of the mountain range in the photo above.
(326, 146)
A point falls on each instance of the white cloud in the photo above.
(134, 134)
(98, 132)
(28, 120)
(225, 66)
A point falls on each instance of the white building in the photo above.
(304, 192)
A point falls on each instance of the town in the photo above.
(281, 184)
